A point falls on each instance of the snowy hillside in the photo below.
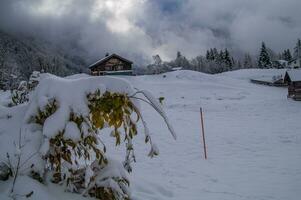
(20, 55)
(252, 132)
(253, 138)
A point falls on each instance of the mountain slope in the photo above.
(20, 55)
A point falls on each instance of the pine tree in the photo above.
(207, 55)
(210, 54)
(297, 49)
(227, 60)
(215, 53)
(221, 56)
(288, 55)
(264, 60)
(283, 55)
(181, 61)
(179, 55)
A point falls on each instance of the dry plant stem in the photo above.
(18, 164)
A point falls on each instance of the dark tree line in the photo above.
(217, 61)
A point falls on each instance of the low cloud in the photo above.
(139, 29)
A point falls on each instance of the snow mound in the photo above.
(5, 98)
(188, 75)
(229, 77)
(180, 75)
(77, 76)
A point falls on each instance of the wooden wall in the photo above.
(113, 64)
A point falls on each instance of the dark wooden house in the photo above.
(293, 79)
(112, 65)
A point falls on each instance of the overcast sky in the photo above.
(142, 28)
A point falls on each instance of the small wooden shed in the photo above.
(293, 79)
(112, 65)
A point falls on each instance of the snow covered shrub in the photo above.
(109, 182)
(34, 80)
(20, 95)
(73, 114)
(77, 141)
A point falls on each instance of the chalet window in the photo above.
(107, 68)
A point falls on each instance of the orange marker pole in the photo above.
(203, 133)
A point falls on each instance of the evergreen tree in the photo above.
(283, 55)
(210, 54)
(179, 55)
(227, 60)
(215, 53)
(288, 55)
(180, 61)
(264, 60)
(221, 56)
(297, 49)
(207, 55)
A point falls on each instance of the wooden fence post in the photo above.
(203, 133)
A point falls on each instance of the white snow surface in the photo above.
(253, 135)
(72, 132)
(5, 98)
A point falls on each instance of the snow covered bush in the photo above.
(20, 95)
(34, 80)
(73, 114)
(108, 182)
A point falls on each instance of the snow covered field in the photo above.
(253, 134)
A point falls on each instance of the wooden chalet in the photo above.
(293, 79)
(112, 65)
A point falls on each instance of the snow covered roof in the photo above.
(282, 61)
(292, 60)
(294, 74)
(177, 68)
(264, 79)
(109, 57)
